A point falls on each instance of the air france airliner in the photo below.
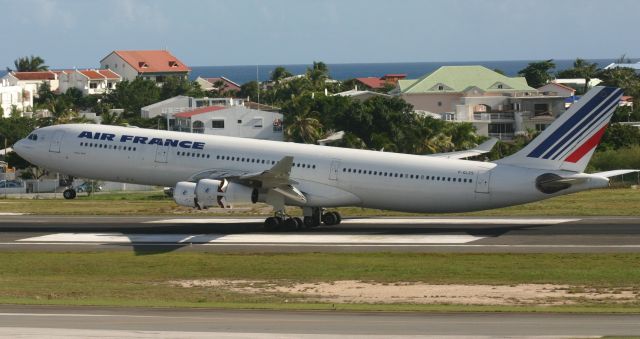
(217, 171)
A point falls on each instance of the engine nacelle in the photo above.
(238, 194)
(221, 193)
(185, 194)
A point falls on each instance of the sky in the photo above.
(78, 33)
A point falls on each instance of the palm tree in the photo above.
(585, 70)
(279, 73)
(112, 118)
(304, 128)
(30, 64)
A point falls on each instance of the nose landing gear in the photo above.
(69, 193)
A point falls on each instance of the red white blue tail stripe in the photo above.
(582, 131)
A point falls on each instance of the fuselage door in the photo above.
(482, 181)
(333, 171)
(162, 153)
(56, 141)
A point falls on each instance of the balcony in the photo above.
(493, 116)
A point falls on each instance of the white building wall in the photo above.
(243, 122)
(16, 96)
(171, 106)
(118, 65)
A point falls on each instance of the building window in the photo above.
(93, 85)
(160, 78)
(239, 121)
(440, 88)
(439, 103)
(197, 127)
(541, 127)
(541, 109)
(219, 123)
(257, 122)
(500, 86)
(497, 129)
(109, 85)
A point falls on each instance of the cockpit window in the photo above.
(33, 137)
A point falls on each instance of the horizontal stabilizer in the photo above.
(609, 174)
(484, 147)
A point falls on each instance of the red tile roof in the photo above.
(372, 82)
(394, 75)
(91, 74)
(109, 74)
(231, 86)
(199, 111)
(563, 86)
(626, 98)
(44, 75)
(153, 61)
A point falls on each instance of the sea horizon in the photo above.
(343, 71)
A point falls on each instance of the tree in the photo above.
(30, 64)
(581, 69)
(280, 73)
(133, 95)
(304, 128)
(174, 86)
(538, 73)
(249, 90)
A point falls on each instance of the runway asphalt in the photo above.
(54, 321)
(481, 235)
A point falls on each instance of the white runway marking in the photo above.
(10, 213)
(394, 221)
(255, 238)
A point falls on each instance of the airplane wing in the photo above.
(277, 178)
(485, 147)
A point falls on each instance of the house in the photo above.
(495, 104)
(577, 83)
(31, 81)
(379, 83)
(234, 121)
(211, 84)
(89, 81)
(14, 96)
(182, 103)
(554, 88)
(154, 65)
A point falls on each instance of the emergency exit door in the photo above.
(56, 142)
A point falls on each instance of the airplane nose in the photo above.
(18, 147)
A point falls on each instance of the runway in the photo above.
(43, 321)
(461, 234)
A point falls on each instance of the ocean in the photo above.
(246, 73)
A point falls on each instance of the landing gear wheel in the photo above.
(272, 223)
(331, 218)
(69, 193)
(291, 224)
(310, 222)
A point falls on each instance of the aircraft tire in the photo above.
(272, 223)
(69, 194)
(309, 222)
(330, 218)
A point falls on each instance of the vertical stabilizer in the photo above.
(569, 142)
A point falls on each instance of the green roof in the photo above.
(451, 79)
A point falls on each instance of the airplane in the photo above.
(218, 171)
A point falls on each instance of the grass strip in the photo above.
(129, 279)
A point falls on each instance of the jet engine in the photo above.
(209, 192)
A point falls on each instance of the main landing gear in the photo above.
(313, 217)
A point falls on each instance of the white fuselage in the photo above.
(327, 176)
